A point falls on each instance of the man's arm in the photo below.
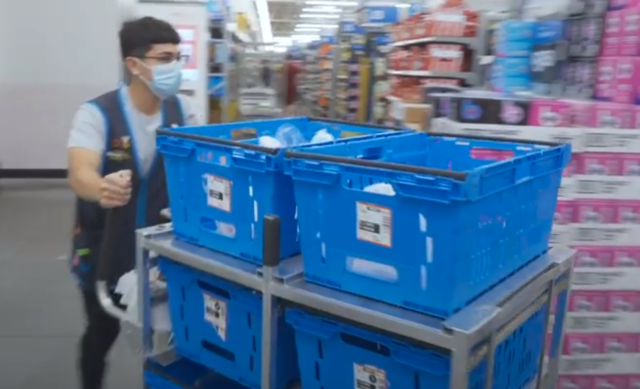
(85, 148)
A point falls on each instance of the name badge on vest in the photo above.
(120, 149)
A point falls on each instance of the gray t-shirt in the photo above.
(89, 128)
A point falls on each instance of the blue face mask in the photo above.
(167, 79)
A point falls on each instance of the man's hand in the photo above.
(115, 190)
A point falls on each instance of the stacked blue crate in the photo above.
(511, 71)
(427, 223)
(221, 185)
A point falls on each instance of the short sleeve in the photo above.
(191, 117)
(89, 129)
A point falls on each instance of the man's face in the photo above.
(158, 55)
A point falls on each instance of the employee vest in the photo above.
(148, 198)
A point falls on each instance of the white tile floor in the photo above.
(40, 312)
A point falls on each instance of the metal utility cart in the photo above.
(471, 335)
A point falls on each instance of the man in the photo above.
(291, 70)
(266, 73)
(113, 163)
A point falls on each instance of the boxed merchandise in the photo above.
(548, 54)
(550, 113)
(578, 78)
(511, 67)
(587, 7)
(618, 79)
(490, 109)
(585, 36)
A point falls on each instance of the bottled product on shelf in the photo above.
(315, 83)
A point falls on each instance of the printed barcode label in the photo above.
(374, 224)
(369, 377)
(219, 192)
(215, 313)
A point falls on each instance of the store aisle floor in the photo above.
(40, 312)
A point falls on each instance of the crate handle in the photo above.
(176, 149)
(224, 142)
(216, 290)
(460, 176)
(253, 164)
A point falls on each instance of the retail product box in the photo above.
(618, 80)
(599, 382)
(578, 78)
(622, 33)
(550, 113)
(585, 36)
(511, 67)
(490, 108)
(516, 30)
(606, 279)
(617, 5)
(587, 7)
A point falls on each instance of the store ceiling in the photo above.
(285, 16)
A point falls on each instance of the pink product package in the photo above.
(595, 211)
(610, 46)
(634, 382)
(617, 79)
(600, 164)
(613, 24)
(594, 256)
(580, 344)
(624, 302)
(628, 212)
(588, 301)
(610, 382)
(620, 343)
(626, 257)
(582, 112)
(575, 382)
(565, 212)
(630, 165)
(550, 113)
(611, 115)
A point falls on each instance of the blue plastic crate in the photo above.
(221, 183)
(218, 324)
(184, 374)
(455, 223)
(334, 354)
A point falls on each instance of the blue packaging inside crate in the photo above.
(218, 324)
(451, 218)
(335, 354)
(184, 374)
(221, 185)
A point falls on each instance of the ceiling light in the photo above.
(316, 25)
(322, 9)
(334, 3)
(403, 5)
(320, 16)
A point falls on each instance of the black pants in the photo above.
(100, 333)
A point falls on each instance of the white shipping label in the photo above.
(374, 224)
(604, 234)
(612, 141)
(369, 377)
(219, 192)
(215, 312)
(610, 278)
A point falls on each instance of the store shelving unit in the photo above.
(316, 81)
(486, 321)
(347, 100)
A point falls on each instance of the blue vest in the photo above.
(149, 195)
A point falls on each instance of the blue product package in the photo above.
(516, 31)
(511, 67)
(550, 31)
(511, 84)
(513, 48)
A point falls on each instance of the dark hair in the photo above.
(139, 35)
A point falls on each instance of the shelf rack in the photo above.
(484, 321)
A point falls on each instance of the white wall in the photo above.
(55, 55)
